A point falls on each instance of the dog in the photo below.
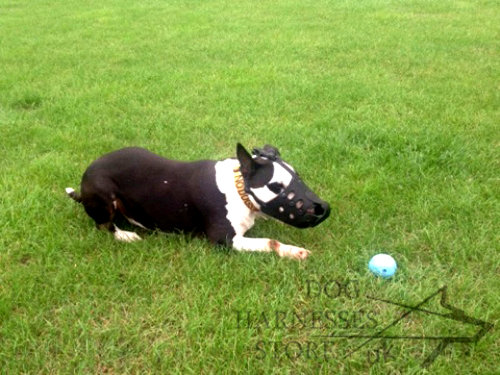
(220, 199)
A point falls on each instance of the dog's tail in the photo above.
(73, 194)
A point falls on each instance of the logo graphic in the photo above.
(453, 313)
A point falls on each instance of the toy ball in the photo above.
(383, 265)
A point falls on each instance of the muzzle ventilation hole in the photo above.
(281, 209)
(292, 216)
(290, 195)
(299, 204)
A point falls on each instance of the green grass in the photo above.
(389, 109)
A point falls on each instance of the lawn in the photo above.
(389, 109)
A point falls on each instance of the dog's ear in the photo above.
(247, 165)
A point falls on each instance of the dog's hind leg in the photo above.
(104, 215)
(102, 208)
(124, 235)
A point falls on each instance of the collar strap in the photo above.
(240, 187)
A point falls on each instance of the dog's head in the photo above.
(278, 189)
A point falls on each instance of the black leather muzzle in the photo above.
(296, 205)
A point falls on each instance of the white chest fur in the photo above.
(238, 214)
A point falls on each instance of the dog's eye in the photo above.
(276, 187)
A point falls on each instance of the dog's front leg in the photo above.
(267, 245)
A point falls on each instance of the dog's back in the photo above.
(154, 191)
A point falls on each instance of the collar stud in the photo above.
(239, 182)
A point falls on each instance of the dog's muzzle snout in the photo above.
(319, 210)
(297, 206)
(316, 213)
(294, 204)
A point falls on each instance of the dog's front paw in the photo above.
(293, 252)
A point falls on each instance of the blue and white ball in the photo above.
(383, 265)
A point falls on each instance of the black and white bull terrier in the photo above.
(218, 198)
